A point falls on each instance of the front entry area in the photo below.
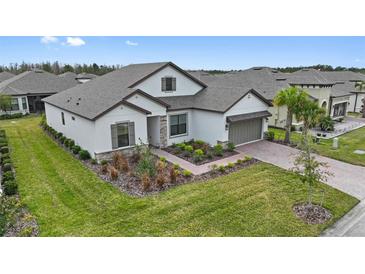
(241, 132)
(153, 130)
(35, 104)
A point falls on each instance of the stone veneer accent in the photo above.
(108, 155)
(163, 131)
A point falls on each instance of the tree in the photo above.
(293, 98)
(309, 113)
(310, 170)
(5, 102)
(360, 86)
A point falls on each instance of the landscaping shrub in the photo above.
(214, 167)
(3, 145)
(94, 162)
(7, 161)
(230, 147)
(113, 173)
(173, 175)
(8, 176)
(10, 187)
(84, 154)
(163, 159)
(62, 139)
(146, 164)
(198, 155)
(189, 148)
(3, 140)
(176, 166)
(58, 135)
(160, 166)
(181, 146)
(161, 179)
(4, 150)
(230, 165)
(199, 142)
(187, 173)
(146, 181)
(326, 123)
(4, 156)
(7, 166)
(247, 158)
(221, 168)
(103, 162)
(218, 150)
(269, 135)
(104, 168)
(76, 149)
(120, 162)
(209, 155)
(11, 116)
(2, 224)
(71, 143)
(239, 161)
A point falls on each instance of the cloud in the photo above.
(74, 42)
(130, 43)
(49, 39)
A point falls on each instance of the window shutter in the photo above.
(132, 138)
(163, 84)
(114, 136)
(174, 84)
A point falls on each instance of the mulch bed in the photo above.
(178, 153)
(131, 184)
(311, 213)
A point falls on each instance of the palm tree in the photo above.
(293, 98)
(360, 86)
(309, 113)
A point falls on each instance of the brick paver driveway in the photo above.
(347, 178)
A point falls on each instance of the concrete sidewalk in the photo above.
(196, 169)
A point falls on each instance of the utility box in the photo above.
(335, 143)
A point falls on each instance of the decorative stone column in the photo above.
(163, 131)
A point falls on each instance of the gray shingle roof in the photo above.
(93, 98)
(5, 76)
(86, 76)
(309, 77)
(33, 82)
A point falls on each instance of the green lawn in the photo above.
(348, 143)
(69, 200)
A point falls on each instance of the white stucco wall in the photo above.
(184, 85)
(102, 137)
(81, 130)
(95, 136)
(148, 104)
(208, 126)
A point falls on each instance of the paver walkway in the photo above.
(195, 169)
(346, 177)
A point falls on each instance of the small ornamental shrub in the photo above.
(104, 168)
(221, 168)
(58, 135)
(230, 147)
(3, 145)
(93, 161)
(113, 173)
(62, 139)
(199, 142)
(76, 149)
(120, 162)
(4, 156)
(7, 161)
(8, 176)
(84, 154)
(218, 150)
(269, 135)
(186, 153)
(189, 148)
(176, 166)
(10, 187)
(198, 155)
(239, 161)
(146, 181)
(4, 150)
(160, 166)
(161, 179)
(247, 158)
(181, 146)
(146, 164)
(71, 144)
(173, 175)
(186, 173)
(209, 155)
(7, 166)
(103, 162)
(230, 165)
(3, 140)
(214, 167)
(163, 159)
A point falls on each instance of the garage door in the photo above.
(245, 131)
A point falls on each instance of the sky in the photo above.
(187, 52)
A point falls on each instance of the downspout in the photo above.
(329, 114)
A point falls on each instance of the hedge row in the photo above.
(12, 116)
(67, 142)
(9, 184)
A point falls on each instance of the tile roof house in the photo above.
(28, 88)
(158, 104)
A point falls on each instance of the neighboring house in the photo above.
(5, 76)
(28, 88)
(85, 77)
(158, 104)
